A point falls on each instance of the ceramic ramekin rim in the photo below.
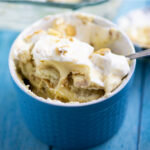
(61, 104)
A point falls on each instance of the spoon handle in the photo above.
(140, 54)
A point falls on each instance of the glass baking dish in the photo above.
(17, 14)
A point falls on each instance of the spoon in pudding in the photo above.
(140, 54)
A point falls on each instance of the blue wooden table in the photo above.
(133, 135)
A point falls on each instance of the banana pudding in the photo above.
(137, 25)
(70, 60)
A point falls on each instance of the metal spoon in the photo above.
(140, 54)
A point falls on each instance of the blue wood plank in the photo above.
(127, 137)
(145, 118)
(13, 133)
(15, 136)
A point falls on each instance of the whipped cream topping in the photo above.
(61, 49)
(105, 68)
(69, 49)
(111, 63)
(113, 67)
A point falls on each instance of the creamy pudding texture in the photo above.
(69, 61)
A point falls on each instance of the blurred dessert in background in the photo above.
(70, 60)
(34, 11)
(65, 1)
(58, 1)
(137, 25)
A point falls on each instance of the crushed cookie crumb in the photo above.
(28, 37)
(102, 51)
(54, 32)
(42, 61)
(64, 52)
(64, 46)
(60, 51)
(90, 56)
(114, 34)
(85, 19)
(92, 44)
(58, 24)
(71, 39)
(70, 30)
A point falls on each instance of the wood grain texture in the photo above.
(13, 133)
(144, 135)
